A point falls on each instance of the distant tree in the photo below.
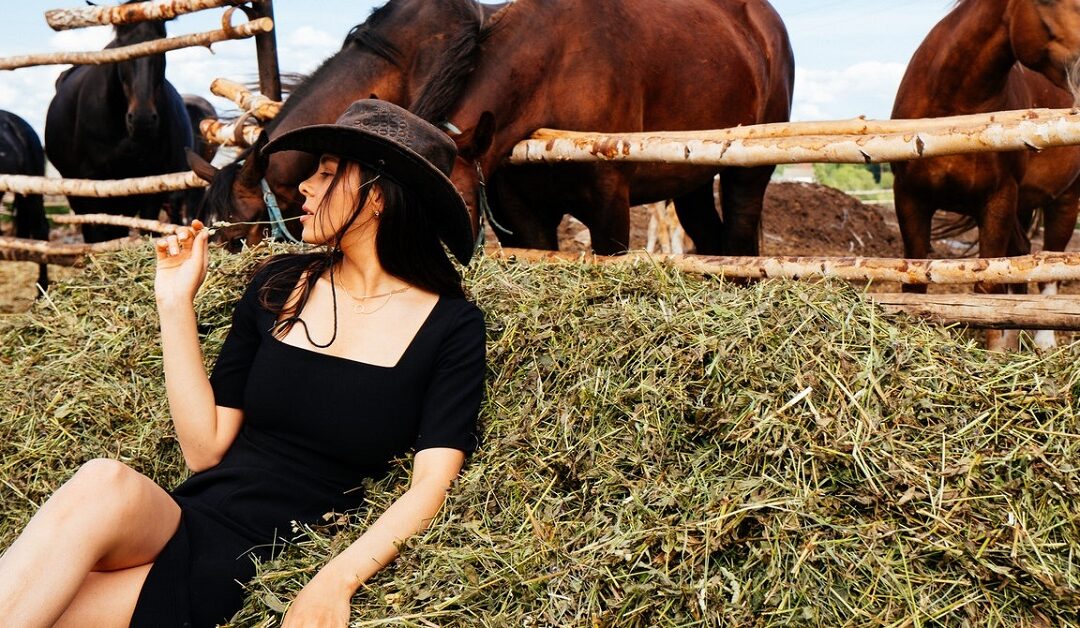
(845, 176)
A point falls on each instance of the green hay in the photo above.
(650, 455)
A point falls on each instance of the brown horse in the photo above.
(403, 45)
(992, 55)
(634, 65)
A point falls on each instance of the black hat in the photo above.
(401, 146)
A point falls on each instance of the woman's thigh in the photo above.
(144, 516)
(105, 599)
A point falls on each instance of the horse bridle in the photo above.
(277, 221)
(483, 206)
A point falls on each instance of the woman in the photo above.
(336, 362)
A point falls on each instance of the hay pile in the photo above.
(661, 450)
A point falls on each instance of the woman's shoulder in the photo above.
(460, 309)
(275, 278)
(290, 264)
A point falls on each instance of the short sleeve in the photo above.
(229, 377)
(452, 400)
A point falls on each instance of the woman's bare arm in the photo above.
(204, 429)
(324, 601)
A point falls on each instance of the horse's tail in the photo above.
(952, 226)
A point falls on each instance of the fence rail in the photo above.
(747, 147)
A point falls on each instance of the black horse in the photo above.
(115, 121)
(21, 153)
(184, 205)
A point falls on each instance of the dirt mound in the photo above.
(811, 219)
(798, 219)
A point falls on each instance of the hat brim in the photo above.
(415, 174)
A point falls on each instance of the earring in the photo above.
(377, 213)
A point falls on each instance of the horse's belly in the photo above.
(657, 183)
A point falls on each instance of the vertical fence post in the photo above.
(266, 49)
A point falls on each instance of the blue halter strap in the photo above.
(279, 231)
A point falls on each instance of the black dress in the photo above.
(314, 426)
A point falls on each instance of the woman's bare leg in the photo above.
(106, 599)
(107, 517)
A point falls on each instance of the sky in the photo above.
(849, 54)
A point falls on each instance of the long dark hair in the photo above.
(406, 243)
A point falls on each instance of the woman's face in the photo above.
(326, 211)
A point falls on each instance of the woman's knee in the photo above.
(105, 473)
(106, 481)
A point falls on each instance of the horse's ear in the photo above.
(480, 137)
(202, 168)
(1028, 35)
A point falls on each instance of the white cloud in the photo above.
(309, 36)
(82, 39)
(865, 88)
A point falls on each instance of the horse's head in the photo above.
(1045, 37)
(389, 56)
(473, 145)
(142, 79)
(236, 194)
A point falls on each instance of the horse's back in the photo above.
(689, 52)
(20, 147)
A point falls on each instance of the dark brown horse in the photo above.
(992, 55)
(634, 65)
(403, 45)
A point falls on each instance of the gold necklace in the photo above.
(358, 307)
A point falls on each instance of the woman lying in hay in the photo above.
(308, 397)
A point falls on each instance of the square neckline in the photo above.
(400, 360)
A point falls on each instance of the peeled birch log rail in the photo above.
(23, 184)
(656, 147)
(229, 133)
(67, 19)
(157, 46)
(853, 126)
(988, 311)
(41, 252)
(116, 221)
(260, 106)
(1040, 267)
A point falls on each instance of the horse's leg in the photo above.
(30, 222)
(698, 216)
(998, 233)
(527, 223)
(606, 212)
(107, 517)
(914, 217)
(97, 233)
(742, 195)
(1059, 221)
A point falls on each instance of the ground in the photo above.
(798, 219)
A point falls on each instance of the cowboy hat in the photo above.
(402, 147)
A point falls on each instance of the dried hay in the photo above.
(661, 450)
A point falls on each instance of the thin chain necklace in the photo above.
(360, 302)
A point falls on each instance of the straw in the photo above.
(659, 450)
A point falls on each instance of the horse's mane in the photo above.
(452, 71)
(436, 98)
(363, 35)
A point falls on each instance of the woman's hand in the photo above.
(320, 604)
(182, 259)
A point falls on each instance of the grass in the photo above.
(660, 450)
